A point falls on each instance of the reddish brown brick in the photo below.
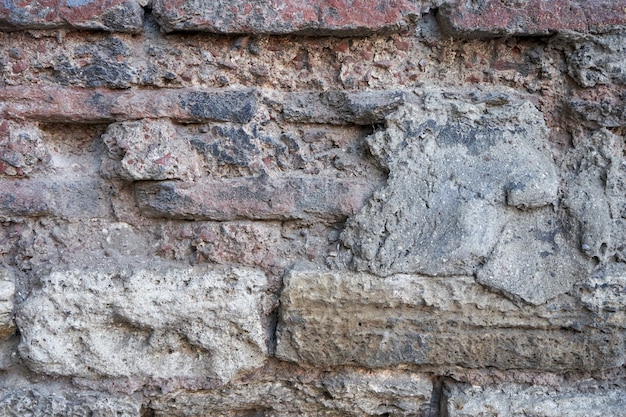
(53, 197)
(259, 198)
(59, 104)
(314, 17)
(492, 18)
(110, 15)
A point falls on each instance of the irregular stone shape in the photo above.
(333, 318)
(33, 403)
(598, 61)
(534, 259)
(261, 198)
(69, 199)
(454, 164)
(145, 321)
(515, 400)
(337, 18)
(148, 150)
(604, 106)
(605, 290)
(338, 107)
(493, 18)
(7, 298)
(109, 15)
(350, 393)
(596, 195)
(21, 149)
(62, 104)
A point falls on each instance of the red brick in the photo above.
(58, 104)
(314, 17)
(51, 197)
(110, 15)
(492, 18)
(258, 198)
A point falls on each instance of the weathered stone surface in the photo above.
(515, 400)
(454, 165)
(7, 299)
(598, 61)
(351, 393)
(21, 149)
(604, 292)
(604, 106)
(338, 18)
(109, 15)
(338, 107)
(342, 318)
(534, 259)
(58, 104)
(65, 198)
(596, 195)
(146, 321)
(262, 198)
(491, 18)
(35, 403)
(148, 150)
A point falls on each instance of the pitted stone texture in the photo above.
(584, 399)
(33, 403)
(157, 321)
(534, 259)
(604, 292)
(598, 61)
(341, 318)
(260, 198)
(350, 393)
(492, 18)
(337, 18)
(149, 150)
(338, 107)
(454, 165)
(601, 107)
(21, 149)
(109, 15)
(7, 299)
(596, 195)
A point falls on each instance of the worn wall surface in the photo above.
(325, 208)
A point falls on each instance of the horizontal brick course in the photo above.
(110, 15)
(316, 17)
(492, 18)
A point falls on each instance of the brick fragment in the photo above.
(61, 198)
(338, 107)
(57, 104)
(493, 18)
(259, 198)
(316, 17)
(109, 15)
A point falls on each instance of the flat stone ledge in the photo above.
(333, 318)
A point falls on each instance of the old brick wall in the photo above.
(325, 208)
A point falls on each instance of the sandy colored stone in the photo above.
(341, 318)
(151, 321)
(586, 399)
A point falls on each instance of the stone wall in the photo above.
(323, 208)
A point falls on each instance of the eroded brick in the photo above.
(317, 17)
(254, 198)
(493, 18)
(109, 15)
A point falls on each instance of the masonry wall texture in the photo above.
(326, 208)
